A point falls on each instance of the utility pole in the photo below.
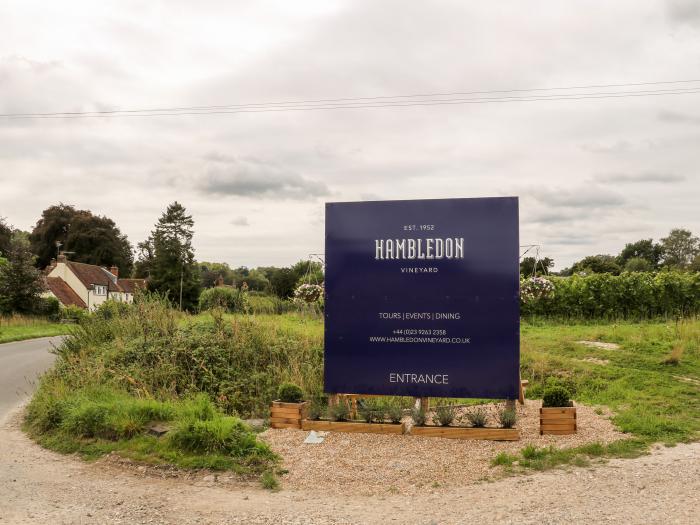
(182, 269)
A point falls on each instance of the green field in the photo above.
(18, 328)
(129, 365)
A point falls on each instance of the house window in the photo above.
(100, 289)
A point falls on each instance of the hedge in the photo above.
(631, 295)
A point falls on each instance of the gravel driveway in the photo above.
(39, 486)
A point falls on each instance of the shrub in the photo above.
(556, 396)
(630, 295)
(444, 415)
(394, 413)
(316, 410)
(269, 481)
(507, 418)
(372, 410)
(290, 393)
(231, 299)
(418, 416)
(221, 435)
(339, 412)
(477, 417)
(73, 313)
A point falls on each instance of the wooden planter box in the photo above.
(558, 420)
(354, 426)
(287, 415)
(493, 434)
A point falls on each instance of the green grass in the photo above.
(19, 328)
(95, 422)
(648, 383)
(652, 400)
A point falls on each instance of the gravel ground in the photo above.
(371, 464)
(40, 487)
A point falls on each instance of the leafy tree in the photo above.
(597, 264)
(174, 270)
(283, 281)
(309, 272)
(5, 238)
(680, 248)
(695, 265)
(645, 249)
(97, 240)
(20, 282)
(638, 264)
(531, 266)
(144, 263)
(210, 272)
(93, 239)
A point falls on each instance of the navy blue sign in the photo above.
(422, 298)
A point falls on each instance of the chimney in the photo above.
(114, 271)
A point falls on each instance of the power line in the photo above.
(382, 101)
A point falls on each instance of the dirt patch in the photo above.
(600, 344)
(373, 464)
(595, 361)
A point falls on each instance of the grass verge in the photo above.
(95, 422)
(19, 328)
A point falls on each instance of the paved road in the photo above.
(20, 365)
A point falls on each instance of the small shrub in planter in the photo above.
(556, 396)
(558, 414)
(418, 416)
(507, 418)
(395, 413)
(315, 410)
(444, 415)
(290, 393)
(477, 417)
(339, 412)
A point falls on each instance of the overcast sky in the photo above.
(591, 174)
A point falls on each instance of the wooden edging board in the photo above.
(353, 426)
(494, 434)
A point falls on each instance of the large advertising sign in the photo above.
(422, 298)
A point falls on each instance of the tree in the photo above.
(174, 270)
(530, 266)
(283, 281)
(643, 249)
(97, 240)
(92, 239)
(680, 248)
(144, 263)
(638, 264)
(695, 265)
(597, 264)
(20, 282)
(5, 238)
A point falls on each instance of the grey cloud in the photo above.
(674, 117)
(646, 177)
(582, 197)
(240, 221)
(255, 178)
(684, 11)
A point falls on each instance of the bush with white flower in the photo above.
(308, 293)
(535, 288)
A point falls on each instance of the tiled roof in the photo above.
(63, 292)
(131, 285)
(90, 274)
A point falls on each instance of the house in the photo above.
(87, 285)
